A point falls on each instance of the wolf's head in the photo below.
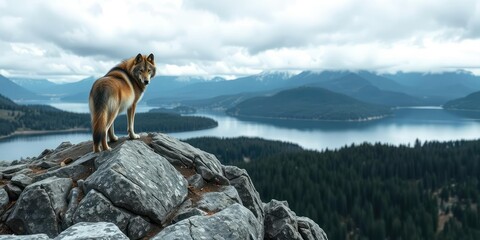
(143, 68)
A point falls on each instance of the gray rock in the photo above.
(81, 185)
(175, 150)
(46, 164)
(75, 172)
(98, 230)
(39, 206)
(33, 214)
(21, 180)
(208, 174)
(78, 169)
(240, 179)
(13, 191)
(309, 230)
(63, 145)
(45, 153)
(187, 213)
(12, 169)
(196, 181)
(25, 171)
(280, 222)
(217, 201)
(139, 227)
(137, 179)
(25, 237)
(234, 222)
(87, 160)
(71, 208)
(4, 200)
(95, 207)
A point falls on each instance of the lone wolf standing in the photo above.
(121, 88)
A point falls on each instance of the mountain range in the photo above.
(400, 89)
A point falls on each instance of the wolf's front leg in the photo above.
(131, 120)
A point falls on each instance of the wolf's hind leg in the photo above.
(111, 134)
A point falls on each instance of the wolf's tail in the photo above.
(98, 109)
(99, 122)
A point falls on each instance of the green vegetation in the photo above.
(37, 117)
(15, 117)
(470, 102)
(369, 191)
(308, 103)
(175, 110)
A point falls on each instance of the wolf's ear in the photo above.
(138, 58)
(150, 58)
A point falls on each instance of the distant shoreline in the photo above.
(35, 132)
(367, 119)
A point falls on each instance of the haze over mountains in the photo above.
(400, 89)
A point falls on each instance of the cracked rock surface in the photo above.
(156, 187)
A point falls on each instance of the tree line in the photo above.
(427, 190)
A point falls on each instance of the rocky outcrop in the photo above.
(98, 230)
(157, 187)
(39, 207)
(234, 222)
(282, 223)
(137, 179)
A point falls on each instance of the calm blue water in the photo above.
(407, 125)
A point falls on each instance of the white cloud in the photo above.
(74, 39)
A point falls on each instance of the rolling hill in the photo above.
(355, 86)
(470, 102)
(308, 103)
(209, 89)
(14, 91)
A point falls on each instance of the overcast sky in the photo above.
(69, 40)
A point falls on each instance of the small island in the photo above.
(18, 119)
(309, 103)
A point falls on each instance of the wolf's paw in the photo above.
(134, 136)
(108, 149)
(114, 139)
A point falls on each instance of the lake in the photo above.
(407, 125)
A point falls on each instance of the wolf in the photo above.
(119, 90)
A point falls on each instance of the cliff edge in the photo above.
(153, 188)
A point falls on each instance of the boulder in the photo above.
(21, 180)
(309, 230)
(234, 222)
(217, 201)
(13, 191)
(178, 152)
(240, 179)
(98, 230)
(4, 200)
(135, 178)
(39, 206)
(71, 208)
(46, 164)
(25, 237)
(95, 207)
(280, 222)
(139, 227)
(12, 169)
(196, 181)
(63, 146)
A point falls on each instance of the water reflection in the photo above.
(407, 125)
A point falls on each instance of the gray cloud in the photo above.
(229, 37)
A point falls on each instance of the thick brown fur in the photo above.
(119, 90)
